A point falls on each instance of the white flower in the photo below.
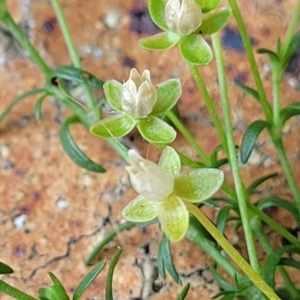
(183, 16)
(138, 94)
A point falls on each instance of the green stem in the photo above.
(277, 141)
(248, 48)
(209, 104)
(264, 242)
(239, 187)
(176, 121)
(73, 54)
(276, 79)
(21, 38)
(14, 292)
(289, 33)
(232, 252)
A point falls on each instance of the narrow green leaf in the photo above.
(208, 6)
(289, 262)
(289, 111)
(195, 50)
(157, 12)
(220, 280)
(214, 21)
(38, 107)
(272, 55)
(250, 137)
(70, 147)
(70, 73)
(279, 202)
(160, 42)
(156, 131)
(160, 262)
(292, 48)
(88, 279)
(5, 269)
(222, 218)
(165, 253)
(168, 93)
(284, 293)
(184, 292)
(17, 100)
(10, 290)
(247, 90)
(53, 292)
(252, 187)
(110, 273)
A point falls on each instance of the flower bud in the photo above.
(183, 16)
(148, 179)
(138, 94)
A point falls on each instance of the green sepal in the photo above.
(214, 21)
(113, 127)
(198, 185)
(73, 151)
(70, 73)
(156, 131)
(54, 292)
(88, 280)
(113, 94)
(289, 111)
(170, 161)
(250, 137)
(157, 12)
(140, 210)
(5, 269)
(195, 49)
(208, 5)
(168, 93)
(160, 42)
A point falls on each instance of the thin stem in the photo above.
(276, 79)
(264, 242)
(239, 187)
(176, 121)
(14, 292)
(232, 252)
(209, 104)
(248, 48)
(73, 54)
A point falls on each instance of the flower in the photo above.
(183, 16)
(138, 103)
(163, 190)
(138, 94)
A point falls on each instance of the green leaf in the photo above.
(156, 131)
(140, 210)
(174, 218)
(70, 73)
(279, 202)
(113, 127)
(198, 185)
(160, 42)
(273, 259)
(157, 12)
(170, 161)
(247, 90)
(284, 293)
(168, 93)
(214, 21)
(38, 107)
(54, 292)
(289, 111)
(272, 55)
(184, 292)
(110, 273)
(87, 280)
(220, 280)
(222, 218)
(289, 262)
(70, 147)
(252, 187)
(195, 50)
(292, 48)
(17, 100)
(5, 269)
(250, 137)
(113, 94)
(208, 5)
(164, 254)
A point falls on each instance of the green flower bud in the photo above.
(183, 16)
(138, 94)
